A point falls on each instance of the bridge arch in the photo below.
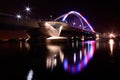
(79, 21)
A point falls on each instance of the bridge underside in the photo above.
(73, 32)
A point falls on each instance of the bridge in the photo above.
(77, 25)
(66, 25)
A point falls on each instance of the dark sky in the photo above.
(103, 15)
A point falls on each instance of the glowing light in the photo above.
(28, 9)
(28, 37)
(53, 52)
(111, 35)
(80, 55)
(61, 56)
(111, 43)
(97, 36)
(53, 49)
(46, 24)
(74, 23)
(57, 38)
(30, 75)
(48, 62)
(65, 64)
(18, 16)
(52, 29)
(51, 60)
(82, 38)
(77, 13)
(74, 59)
(60, 29)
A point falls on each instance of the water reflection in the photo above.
(54, 53)
(73, 58)
(42, 59)
(14, 47)
(97, 44)
(37, 60)
(111, 44)
(24, 45)
(81, 57)
(30, 75)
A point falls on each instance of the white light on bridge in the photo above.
(74, 23)
(80, 25)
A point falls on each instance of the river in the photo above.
(70, 59)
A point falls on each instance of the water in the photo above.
(59, 60)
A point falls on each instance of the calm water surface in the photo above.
(70, 60)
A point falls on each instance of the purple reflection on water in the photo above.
(87, 51)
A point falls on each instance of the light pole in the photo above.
(28, 10)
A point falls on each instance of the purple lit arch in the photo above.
(75, 19)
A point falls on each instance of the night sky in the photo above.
(103, 15)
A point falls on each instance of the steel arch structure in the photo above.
(75, 19)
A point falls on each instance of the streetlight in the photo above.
(28, 10)
(18, 16)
